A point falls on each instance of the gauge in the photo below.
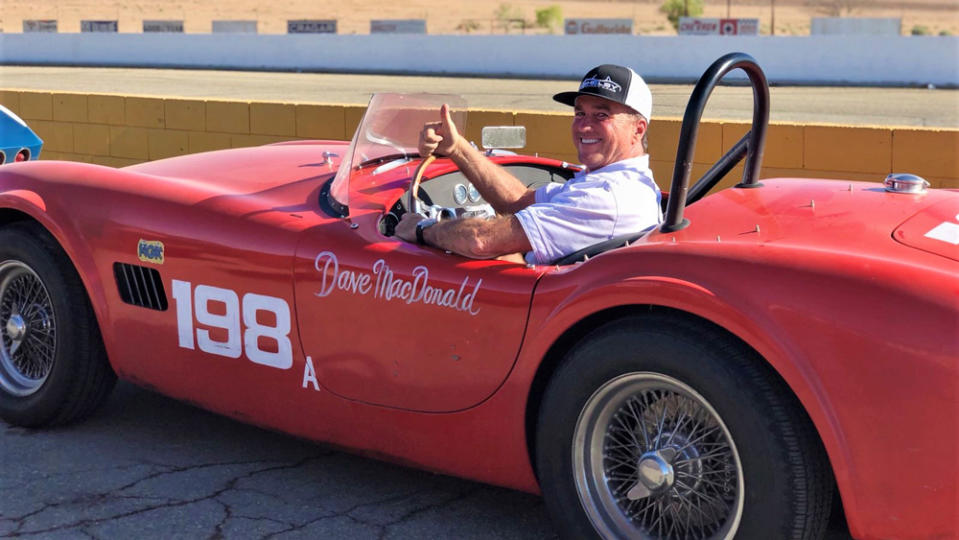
(460, 194)
(474, 194)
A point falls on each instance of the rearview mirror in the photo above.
(504, 137)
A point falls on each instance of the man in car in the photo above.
(614, 195)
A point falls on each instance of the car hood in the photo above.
(246, 183)
(244, 171)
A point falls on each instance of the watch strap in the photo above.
(422, 226)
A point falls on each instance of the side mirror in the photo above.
(498, 137)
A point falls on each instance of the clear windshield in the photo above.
(390, 130)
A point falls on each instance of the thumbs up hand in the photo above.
(439, 137)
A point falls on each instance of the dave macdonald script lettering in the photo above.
(382, 283)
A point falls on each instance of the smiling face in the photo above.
(605, 132)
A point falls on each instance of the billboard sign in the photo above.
(309, 26)
(701, 26)
(398, 26)
(234, 27)
(868, 26)
(598, 26)
(163, 26)
(45, 25)
(98, 26)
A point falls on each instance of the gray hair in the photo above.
(645, 141)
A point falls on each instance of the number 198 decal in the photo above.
(239, 337)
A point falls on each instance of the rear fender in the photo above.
(556, 311)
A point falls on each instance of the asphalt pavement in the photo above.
(149, 467)
(830, 105)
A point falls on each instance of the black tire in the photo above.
(660, 426)
(53, 367)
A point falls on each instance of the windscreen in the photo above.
(390, 130)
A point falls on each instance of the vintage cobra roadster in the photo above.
(17, 141)
(774, 351)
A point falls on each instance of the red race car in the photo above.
(720, 375)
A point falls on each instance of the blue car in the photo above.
(17, 141)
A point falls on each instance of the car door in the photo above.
(394, 324)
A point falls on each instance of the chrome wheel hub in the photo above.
(653, 459)
(27, 330)
(655, 474)
(16, 328)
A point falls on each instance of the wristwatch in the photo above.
(422, 226)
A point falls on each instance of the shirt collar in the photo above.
(638, 162)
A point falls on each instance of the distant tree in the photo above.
(508, 12)
(836, 8)
(468, 26)
(920, 30)
(674, 9)
(508, 16)
(550, 17)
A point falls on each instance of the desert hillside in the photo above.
(462, 16)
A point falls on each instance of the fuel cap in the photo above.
(905, 183)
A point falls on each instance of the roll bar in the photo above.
(751, 146)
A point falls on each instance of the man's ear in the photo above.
(641, 126)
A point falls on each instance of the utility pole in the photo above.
(727, 8)
(772, 27)
(685, 8)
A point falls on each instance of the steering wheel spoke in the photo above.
(415, 204)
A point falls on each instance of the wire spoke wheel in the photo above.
(28, 333)
(653, 459)
(53, 366)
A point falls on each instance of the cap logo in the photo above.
(605, 84)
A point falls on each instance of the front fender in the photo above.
(30, 188)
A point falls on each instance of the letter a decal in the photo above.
(309, 375)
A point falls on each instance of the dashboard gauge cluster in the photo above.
(466, 193)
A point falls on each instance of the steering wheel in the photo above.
(415, 204)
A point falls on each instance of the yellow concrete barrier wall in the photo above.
(117, 130)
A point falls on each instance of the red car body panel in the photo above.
(321, 326)
(845, 342)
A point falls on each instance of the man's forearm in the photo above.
(503, 191)
(479, 238)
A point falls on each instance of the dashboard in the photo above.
(457, 196)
